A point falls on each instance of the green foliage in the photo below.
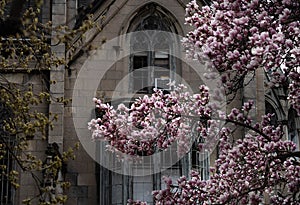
(29, 48)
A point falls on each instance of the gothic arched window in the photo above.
(152, 49)
(269, 109)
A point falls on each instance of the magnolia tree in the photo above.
(237, 37)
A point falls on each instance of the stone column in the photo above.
(255, 90)
(260, 93)
(71, 13)
(57, 75)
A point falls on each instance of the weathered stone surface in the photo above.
(72, 178)
(78, 191)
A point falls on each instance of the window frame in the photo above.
(148, 28)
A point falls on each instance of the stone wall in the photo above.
(38, 80)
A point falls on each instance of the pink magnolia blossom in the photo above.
(152, 123)
(245, 35)
(238, 37)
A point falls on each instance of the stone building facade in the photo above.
(121, 80)
(114, 72)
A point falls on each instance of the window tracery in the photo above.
(151, 60)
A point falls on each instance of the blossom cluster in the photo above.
(152, 123)
(258, 164)
(240, 36)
